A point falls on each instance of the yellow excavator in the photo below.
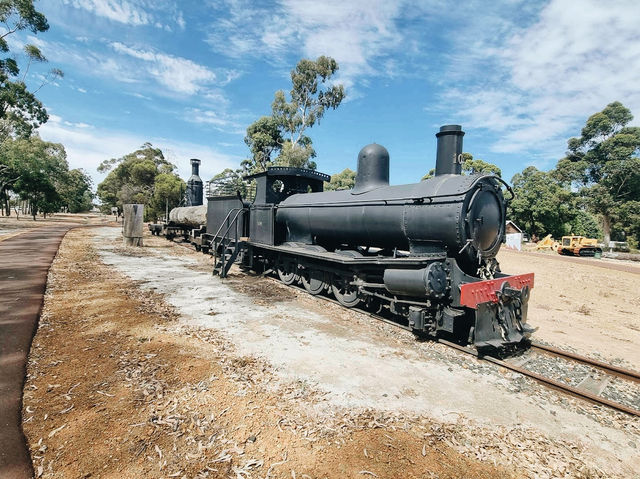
(579, 246)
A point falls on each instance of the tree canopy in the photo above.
(229, 182)
(264, 137)
(75, 191)
(345, 180)
(307, 105)
(603, 164)
(143, 176)
(38, 171)
(541, 205)
(20, 111)
(280, 138)
(284, 131)
(471, 166)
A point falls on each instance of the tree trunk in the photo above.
(606, 229)
(5, 202)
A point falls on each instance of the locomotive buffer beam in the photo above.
(499, 308)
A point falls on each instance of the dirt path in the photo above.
(119, 386)
(590, 309)
(149, 367)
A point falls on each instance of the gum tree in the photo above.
(603, 164)
(20, 111)
(310, 97)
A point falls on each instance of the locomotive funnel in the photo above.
(448, 157)
(373, 169)
(194, 185)
(195, 167)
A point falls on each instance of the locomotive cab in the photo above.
(272, 187)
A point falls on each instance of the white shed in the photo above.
(514, 236)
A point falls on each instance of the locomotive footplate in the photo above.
(500, 310)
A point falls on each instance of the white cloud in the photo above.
(178, 74)
(550, 76)
(180, 21)
(356, 33)
(133, 12)
(87, 146)
(120, 11)
(221, 122)
(138, 65)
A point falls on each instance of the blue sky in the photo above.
(190, 76)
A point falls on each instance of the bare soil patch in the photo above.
(582, 305)
(117, 387)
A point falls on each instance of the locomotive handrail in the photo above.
(234, 222)
(385, 202)
(224, 220)
(214, 241)
(509, 189)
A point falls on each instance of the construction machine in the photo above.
(579, 246)
(547, 243)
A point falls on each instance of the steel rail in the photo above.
(579, 393)
(593, 398)
(615, 370)
(547, 381)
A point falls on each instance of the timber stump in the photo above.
(132, 224)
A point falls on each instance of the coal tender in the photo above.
(423, 253)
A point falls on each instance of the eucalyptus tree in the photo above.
(20, 111)
(603, 164)
(283, 133)
(143, 176)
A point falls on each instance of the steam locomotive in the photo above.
(422, 254)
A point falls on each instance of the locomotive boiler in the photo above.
(462, 216)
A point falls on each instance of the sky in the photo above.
(189, 76)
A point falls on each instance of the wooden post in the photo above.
(132, 225)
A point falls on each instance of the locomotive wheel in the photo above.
(374, 305)
(315, 282)
(346, 294)
(287, 273)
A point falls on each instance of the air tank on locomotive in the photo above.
(464, 215)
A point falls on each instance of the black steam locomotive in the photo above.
(423, 254)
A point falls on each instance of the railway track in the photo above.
(559, 385)
(518, 368)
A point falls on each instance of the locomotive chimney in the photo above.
(373, 169)
(448, 156)
(195, 167)
(194, 185)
